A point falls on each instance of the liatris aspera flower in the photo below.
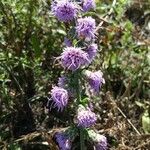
(92, 50)
(59, 97)
(88, 4)
(95, 80)
(62, 81)
(85, 117)
(73, 58)
(86, 28)
(63, 140)
(64, 10)
(101, 142)
(67, 42)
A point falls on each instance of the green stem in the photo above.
(78, 91)
(78, 88)
(82, 146)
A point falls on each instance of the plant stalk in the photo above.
(78, 91)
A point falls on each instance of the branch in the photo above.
(122, 113)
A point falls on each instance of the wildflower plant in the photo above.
(79, 51)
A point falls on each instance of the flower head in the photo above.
(85, 117)
(73, 58)
(64, 10)
(62, 81)
(59, 97)
(67, 42)
(86, 28)
(95, 80)
(88, 4)
(92, 50)
(63, 140)
(101, 142)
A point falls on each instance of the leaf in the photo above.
(85, 101)
(140, 104)
(60, 31)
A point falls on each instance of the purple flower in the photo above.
(95, 80)
(63, 140)
(67, 42)
(59, 97)
(62, 81)
(64, 10)
(85, 117)
(101, 142)
(92, 50)
(86, 28)
(88, 4)
(73, 58)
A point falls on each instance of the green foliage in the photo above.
(145, 116)
(27, 51)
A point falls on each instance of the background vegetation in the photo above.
(31, 38)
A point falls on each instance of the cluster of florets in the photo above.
(59, 97)
(85, 117)
(63, 141)
(67, 10)
(64, 10)
(76, 57)
(86, 28)
(88, 5)
(100, 141)
(95, 80)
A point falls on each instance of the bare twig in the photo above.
(122, 113)
(142, 145)
(128, 120)
(106, 17)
